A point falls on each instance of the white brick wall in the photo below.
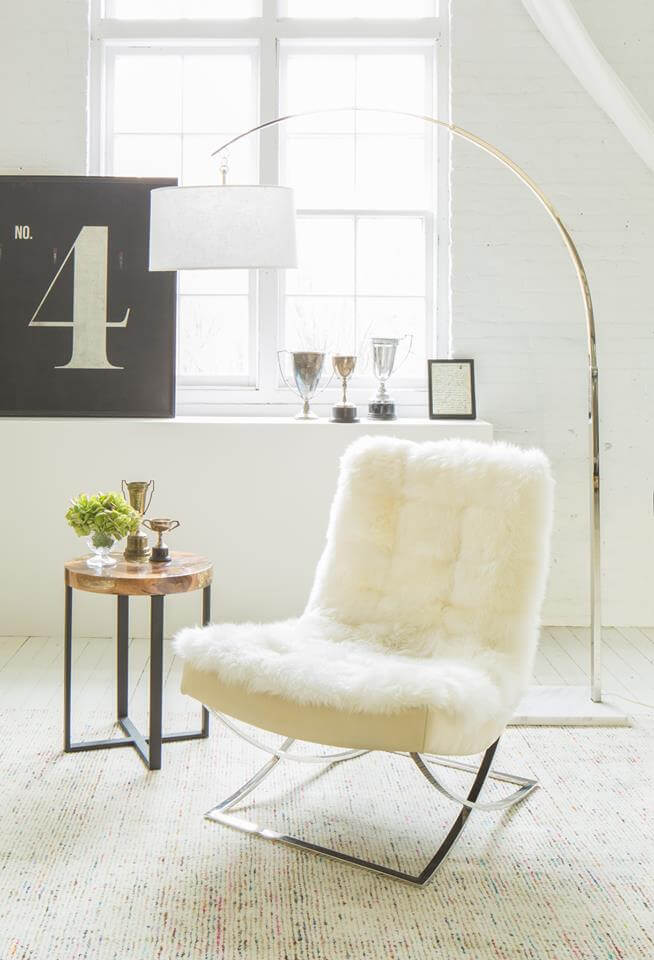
(43, 86)
(516, 308)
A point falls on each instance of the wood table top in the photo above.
(186, 571)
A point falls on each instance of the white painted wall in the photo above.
(515, 304)
(253, 496)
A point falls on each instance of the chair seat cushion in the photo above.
(404, 731)
(465, 691)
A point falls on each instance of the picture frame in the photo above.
(451, 389)
(87, 330)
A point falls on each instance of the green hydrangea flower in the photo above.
(105, 517)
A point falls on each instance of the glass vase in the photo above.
(100, 546)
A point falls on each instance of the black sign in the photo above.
(85, 328)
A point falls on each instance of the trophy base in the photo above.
(160, 555)
(382, 410)
(137, 548)
(344, 413)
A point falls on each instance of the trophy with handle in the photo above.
(307, 371)
(384, 349)
(137, 548)
(160, 525)
(344, 412)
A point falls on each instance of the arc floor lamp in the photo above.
(230, 227)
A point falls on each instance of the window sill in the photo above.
(289, 420)
(479, 429)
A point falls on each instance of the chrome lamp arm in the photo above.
(593, 387)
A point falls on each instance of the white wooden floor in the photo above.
(31, 672)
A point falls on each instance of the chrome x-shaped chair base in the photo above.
(220, 812)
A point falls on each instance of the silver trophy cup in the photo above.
(307, 371)
(384, 349)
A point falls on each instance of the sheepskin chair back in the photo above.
(439, 548)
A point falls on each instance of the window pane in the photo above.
(213, 281)
(347, 9)
(390, 256)
(395, 317)
(198, 166)
(314, 82)
(170, 112)
(321, 169)
(320, 323)
(213, 336)
(218, 93)
(325, 257)
(183, 9)
(391, 172)
(351, 162)
(147, 94)
(146, 156)
(392, 81)
(368, 158)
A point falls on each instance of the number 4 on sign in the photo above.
(89, 321)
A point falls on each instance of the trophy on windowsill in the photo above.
(307, 371)
(137, 548)
(344, 412)
(382, 406)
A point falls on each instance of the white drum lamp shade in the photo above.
(222, 227)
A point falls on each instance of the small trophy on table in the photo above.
(137, 548)
(344, 412)
(160, 525)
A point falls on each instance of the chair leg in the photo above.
(220, 814)
(250, 785)
(525, 786)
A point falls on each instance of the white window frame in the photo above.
(200, 396)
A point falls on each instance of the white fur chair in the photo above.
(421, 628)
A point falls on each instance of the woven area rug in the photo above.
(101, 860)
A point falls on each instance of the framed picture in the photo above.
(451, 389)
(85, 328)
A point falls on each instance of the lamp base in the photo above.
(565, 706)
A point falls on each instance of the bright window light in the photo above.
(364, 189)
(170, 110)
(365, 181)
(183, 9)
(368, 9)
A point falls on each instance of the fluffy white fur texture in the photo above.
(428, 592)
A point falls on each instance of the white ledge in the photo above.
(252, 493)
(438, 426)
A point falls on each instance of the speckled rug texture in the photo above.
(102, 860)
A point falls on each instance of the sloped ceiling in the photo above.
(559, 23)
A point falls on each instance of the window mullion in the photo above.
(268, 287)
(443, 146)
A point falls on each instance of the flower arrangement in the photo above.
(106, 517)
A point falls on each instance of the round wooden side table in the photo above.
(126, 579)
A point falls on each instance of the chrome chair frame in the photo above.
(220, 813)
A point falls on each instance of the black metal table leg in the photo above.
(156, 680)
(206, 618)
(122, 657)
(68, 665)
